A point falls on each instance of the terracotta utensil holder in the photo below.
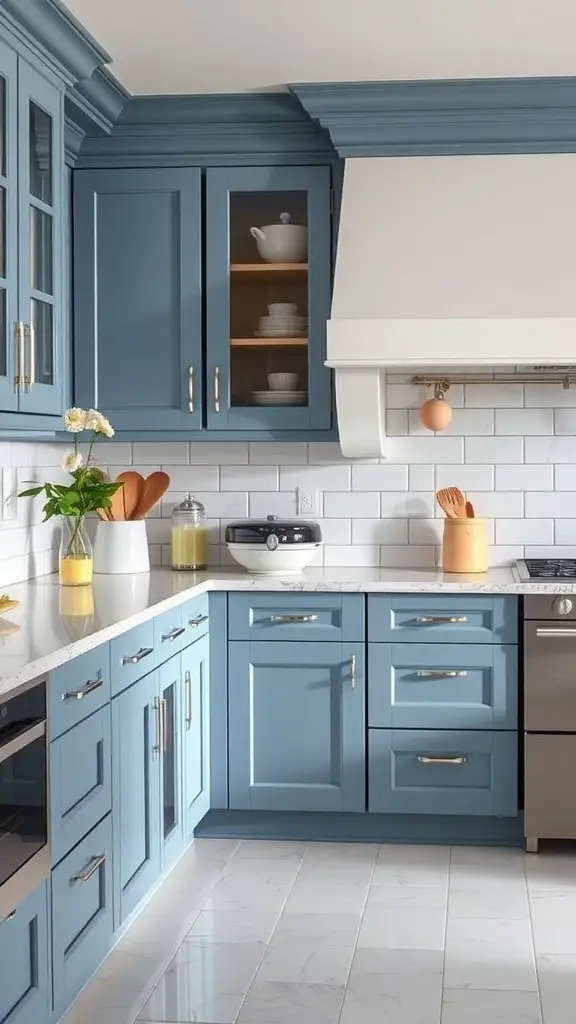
(464, 546)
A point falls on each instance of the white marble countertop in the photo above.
(55, 624)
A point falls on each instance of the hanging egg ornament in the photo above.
(436, 413)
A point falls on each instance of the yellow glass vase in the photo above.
(75, 564)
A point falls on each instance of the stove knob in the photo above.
(562, 606)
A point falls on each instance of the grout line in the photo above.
(534, 957)
(368, 888)
(445, 932)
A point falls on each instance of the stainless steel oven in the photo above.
(24, 838)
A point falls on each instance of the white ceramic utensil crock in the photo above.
(121, 547)
(283, 242)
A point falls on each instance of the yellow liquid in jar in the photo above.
(188, 547)
(75, 572)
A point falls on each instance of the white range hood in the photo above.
(463, 262)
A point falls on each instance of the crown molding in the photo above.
(96, 101)
(457, 116)
(73, 139)
(50, 29)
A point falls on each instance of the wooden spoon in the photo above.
(102, 514)
(132, 491)
(117, 510)
(444, 499)
(470, 510)
(457, 500)
(154, 487)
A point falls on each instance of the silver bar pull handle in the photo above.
(424, 759)
(173, 634)
(439, 673)
(188, 683)
(19, 353)
(91, 685)
(164, 714)
(426, 620)
(557, 632)
(158, 746)
(353, 671)
(293, 618)
(133, 659)
(190, 389)
(197, 621)
(30, 377)
(85, 876)
(217, 389)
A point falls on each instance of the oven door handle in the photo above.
(11, 747)
(557, 632)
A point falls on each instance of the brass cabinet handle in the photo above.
(424, 620)
(197, 621)
(555, 631)
(188, 683)
(158, 746)
(353, 671)
(91, 685)
(217, 388)
(442, 760)
(30, 379)
(19, 347)
(173, 634)
(164, 720)
(85, 876)
(439, 673)
(133, 659)
(293, 618)
(190, 389)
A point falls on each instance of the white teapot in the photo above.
(283, 242)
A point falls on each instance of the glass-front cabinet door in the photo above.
(8, 229)
(170, 797)
(40, 249)
(268, 268)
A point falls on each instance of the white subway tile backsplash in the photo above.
(194, 478)
(524, 531)
(552, 396)
(550, 551)
(271, 503)
(248, 478)
(524, 478)
(502, 554)
(494, 396)
(425, 531)
(467, 478)
(161, 453)
(359, 554)
(564, 477)
(408, 556)
(379, 531)
(494, 449)
(222, 505)
(407, 505)
(396, 422)
(524, 421)
(277, 453)
(348, 504)
(550, 449)
(557, 504)
(336, 531)
(421, 478)
(565, 531)
(498, 504)
(426, 449)
(470, 421)
(564, 421)
(380, 478)
(221, 453)
(315, 478)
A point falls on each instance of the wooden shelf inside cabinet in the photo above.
(269, 342)
(246, 270)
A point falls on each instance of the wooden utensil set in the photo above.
(464, 541)
(453, 503)
(136, 497)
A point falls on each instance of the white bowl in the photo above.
(283, 381)
(283, 309)
(286, 560)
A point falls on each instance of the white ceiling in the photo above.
(184, 46)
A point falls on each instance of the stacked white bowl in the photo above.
(282, 322)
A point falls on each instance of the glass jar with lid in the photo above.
(189, 535)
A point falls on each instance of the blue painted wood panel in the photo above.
(80, 781)
(296, 616)
(218, 638)
(77, 689)
(296, 726)
(9, 263)
(82, 917)
(170, 635)
(442, 772)
(443, 686)
(135, 794)
(442, 618)
(138, 296)
(131, 656)
(171, 815)
(25, 995)
(221, 184)
(195, 703)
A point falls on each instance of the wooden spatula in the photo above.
(154, 487)
(444, 500)
(117, 510)
(132, 490)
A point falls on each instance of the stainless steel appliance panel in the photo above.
(549, 676)
(550, 804)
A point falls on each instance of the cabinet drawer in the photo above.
(131, 656)
(442, 686)
(196, 617)
(24, 962)
(452, 619)
(299, 616)
(80, 783)
(77, 689)
(81, 914)
(170, 635)
(441, 772)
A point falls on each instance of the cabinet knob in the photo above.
(562, 606)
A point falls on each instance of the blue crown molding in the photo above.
(49, 29)
(221, 129)
(96, 102)
(497, 115)
(73, 139)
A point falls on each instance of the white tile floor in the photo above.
(290, 933)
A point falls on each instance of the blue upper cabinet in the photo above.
(32, 329)
(268, 260)
(138, 300)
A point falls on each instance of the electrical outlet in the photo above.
(308, 502)
(8, 494)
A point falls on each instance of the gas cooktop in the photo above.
(547, 568)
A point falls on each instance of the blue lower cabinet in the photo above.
(80, 781)
(296, 726)
(443, 772)
(195, 703)
(170, 635)
(442, 686)
(136, 745)
(131, 656)
(299, 616)
(82, 918)
(442, 618)
(25, 962)
(77, 689)
(170, 761)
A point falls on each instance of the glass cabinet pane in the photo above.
(169, 766)
(43, 341)
(2, 232)
(2, 127)
(3, 335)
(40, 154)
(41, 251)
(268, 298)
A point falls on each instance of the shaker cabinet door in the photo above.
(24, 961)
(138, 303)
(196, 733)
(8, 229)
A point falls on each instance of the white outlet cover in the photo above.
(308, 503)
(9, 494)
